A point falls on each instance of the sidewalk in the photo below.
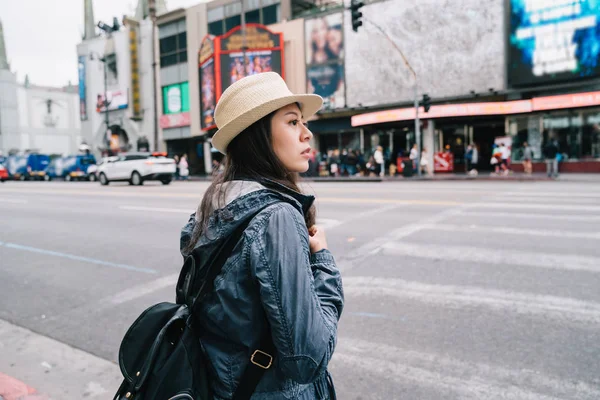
(570, 177)
(35, 367)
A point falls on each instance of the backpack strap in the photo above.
(262, 358)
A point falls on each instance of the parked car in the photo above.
(29, 166)
(137, 168)
(70, 168)
(3, 173)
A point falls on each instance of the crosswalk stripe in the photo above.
(450, 375)
(514, 231)
(488, 256)
(558, 217)
(560, 308)
(534, 206)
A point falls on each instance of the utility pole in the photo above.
(416, 91)
(105, 101)
(106, 104)
(152, 12)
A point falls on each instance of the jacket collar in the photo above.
(306, 201)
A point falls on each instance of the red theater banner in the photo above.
(223, 61)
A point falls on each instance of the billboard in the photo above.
(208, 95)
(82, 103)
(324, 46)
(176, 98)
(553, 41)
(117, 100)
(263, 53)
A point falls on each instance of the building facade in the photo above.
(36, 118)
(116, 84)
(181, 35)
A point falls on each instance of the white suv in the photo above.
(137, 168)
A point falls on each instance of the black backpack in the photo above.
(161, 356)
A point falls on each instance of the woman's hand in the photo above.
(317, 239)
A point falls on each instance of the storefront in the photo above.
(572, 119)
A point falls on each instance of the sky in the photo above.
(41, 35)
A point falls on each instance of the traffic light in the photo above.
(355, 5)
(426, 102)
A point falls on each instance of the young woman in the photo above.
(280, 280)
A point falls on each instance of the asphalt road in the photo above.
(454, 290)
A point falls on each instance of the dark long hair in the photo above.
(250, 155)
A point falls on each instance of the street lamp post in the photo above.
(152, 12)
(416, 92)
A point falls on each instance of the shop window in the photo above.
(253, 17)
(590, 135)
(216, 28)
(565, 128)
(232, 22)
(173, 49)
(271, 14)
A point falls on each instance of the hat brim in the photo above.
(309, 105)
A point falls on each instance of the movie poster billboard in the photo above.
(256, 62)
(82, 103)
(325, 59)
(263, 54)
(208, 87)
(207, 94)
(553, 41)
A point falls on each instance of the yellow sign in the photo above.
(207, 49)
(256, 38)
(136, 104)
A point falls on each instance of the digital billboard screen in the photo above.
(553, 41)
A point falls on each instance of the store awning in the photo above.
(480, 109)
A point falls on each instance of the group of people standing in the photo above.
(182, 171)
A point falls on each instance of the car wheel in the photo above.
(22, 177)
(47, 178)
(166, 181)
(104, 180)
(136, 179)
(68, 178)
(92, 178)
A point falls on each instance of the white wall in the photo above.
(454, 46)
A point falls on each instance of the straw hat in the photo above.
(252, 98)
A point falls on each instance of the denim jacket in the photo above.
(270, 281)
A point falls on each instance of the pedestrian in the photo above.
(527, 157)
(424, 162)
(184, 171)
(379, 161)
(176, 158)
(414, 155)
(551, 153)
(280, 281)
(505, 156)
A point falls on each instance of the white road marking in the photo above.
(330, 224)
(542, 200)
(158, 209)
(456, 297)
(530, 206)
(563, 217)
(486, 256)
(470, 380)
(373, 246)
(138, 291)
(77, 258)
(514, 231)
(12, 201)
